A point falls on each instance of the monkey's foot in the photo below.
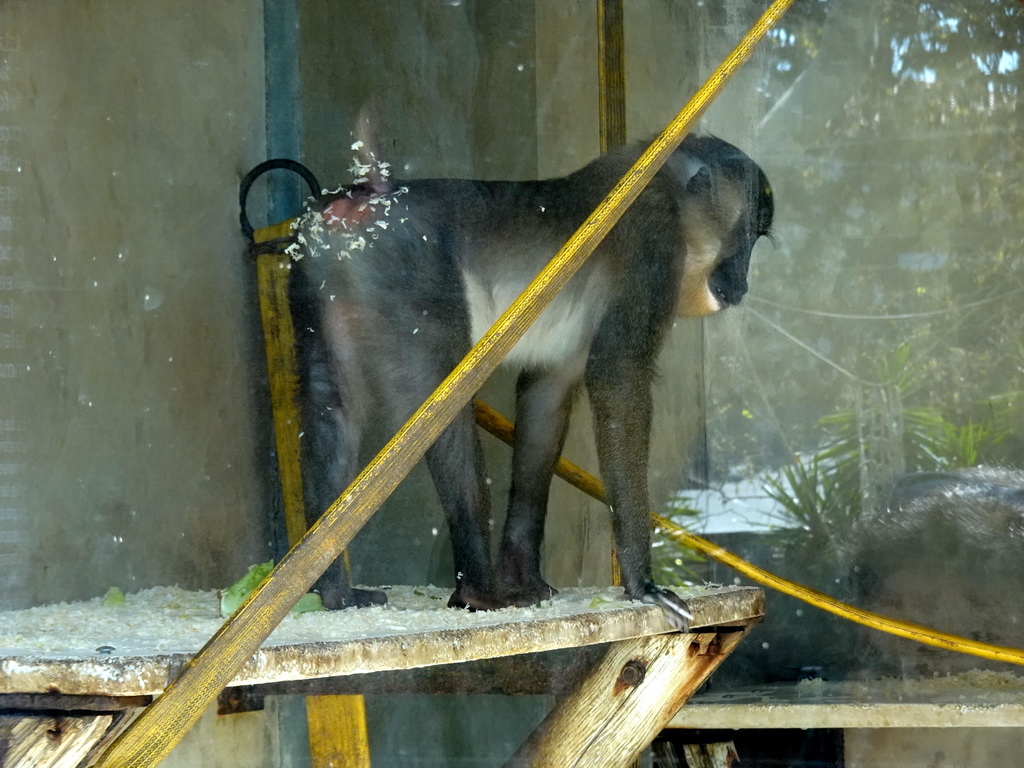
(531, 592)
(474, 600)
(349, 597)
(677, 612)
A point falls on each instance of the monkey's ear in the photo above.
(700, 182)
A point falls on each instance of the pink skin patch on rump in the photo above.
(346, 213)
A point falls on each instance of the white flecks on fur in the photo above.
(322, 231)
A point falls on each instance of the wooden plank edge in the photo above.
(148, 675)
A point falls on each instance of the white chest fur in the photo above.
(563, 330)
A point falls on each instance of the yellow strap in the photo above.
(338, 736)
(611, 74)
(501, 428)
(279, 340)
(337, 724)
(611, 109)
(152, 736)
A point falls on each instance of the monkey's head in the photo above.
(727, 207)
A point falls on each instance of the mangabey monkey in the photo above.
(395, 281)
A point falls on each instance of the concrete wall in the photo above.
(128, 449)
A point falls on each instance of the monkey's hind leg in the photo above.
(332, 406)
(416, 364)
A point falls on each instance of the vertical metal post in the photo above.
(337, 724)
(611, 74)
(611, 106)
(281, 64)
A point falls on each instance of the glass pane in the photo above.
(853, 425)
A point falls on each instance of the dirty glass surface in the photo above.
(854, 425)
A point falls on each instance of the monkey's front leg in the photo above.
(543, 404)
(620, 397)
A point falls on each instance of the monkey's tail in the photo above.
(500, 427)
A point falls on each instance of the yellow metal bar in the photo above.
(611, 74)
(611, 107)
(279, 341)
(162, 724)
(338, 735)
(337, 731)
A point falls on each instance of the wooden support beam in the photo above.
(626, 701)
(54, 739)
(552, 673)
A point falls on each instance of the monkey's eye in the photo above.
(757, 230)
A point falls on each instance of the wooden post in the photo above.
(54, 731)
(626, 701)
(50, 741)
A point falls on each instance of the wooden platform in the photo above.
(978, 699)
(92, 658)
(414, 631)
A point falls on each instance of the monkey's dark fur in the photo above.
(379, 328)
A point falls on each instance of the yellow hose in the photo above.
(501, 428)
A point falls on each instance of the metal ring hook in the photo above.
(259, 170)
